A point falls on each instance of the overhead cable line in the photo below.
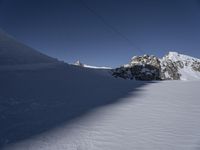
(108, 25)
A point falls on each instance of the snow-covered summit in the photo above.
(78, 63)
(179, 66)
(175, 56)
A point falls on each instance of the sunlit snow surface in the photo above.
(162, 116)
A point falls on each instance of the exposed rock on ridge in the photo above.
(173, 66)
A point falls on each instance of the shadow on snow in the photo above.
(35, 101)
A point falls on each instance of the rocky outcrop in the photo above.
(140, 68)
(170, 70)
(196, 66)
(173, 66)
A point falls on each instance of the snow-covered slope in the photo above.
(39, 94)
(36, 101)
(56, 106)
(13, 52)
(159, 116)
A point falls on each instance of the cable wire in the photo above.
(108, 25)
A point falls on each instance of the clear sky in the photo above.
(104, 32)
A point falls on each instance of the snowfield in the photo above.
(161, 115)
(49, 105)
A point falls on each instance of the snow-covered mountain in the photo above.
(180, 67)
(173, 66)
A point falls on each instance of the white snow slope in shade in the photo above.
(163, 116)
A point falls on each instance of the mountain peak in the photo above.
(173, 66)
(78, 63)
(173, 53)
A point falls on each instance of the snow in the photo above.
(175, 56)
(95, 67)
(78, 63)
(48, 105)
(167, 75)
(187, 72)
(126, 65)
(161, 115)
(36, 100)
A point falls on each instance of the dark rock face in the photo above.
(140, 68)
(170, 70)
(196, 66)
(138, 72)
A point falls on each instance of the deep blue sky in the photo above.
(66, 29)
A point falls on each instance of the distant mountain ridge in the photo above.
(78, 63)
(173, 66)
